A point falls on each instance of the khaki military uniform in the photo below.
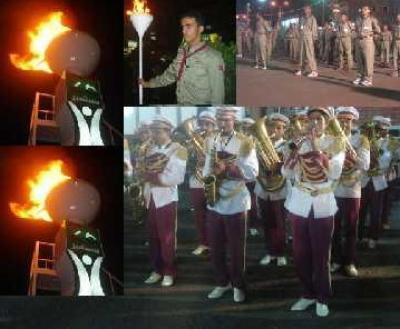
(199, 76)
(386, 39)
(263, 41)
(308, 34)
(396, 47)
(292, 43)
(366, 28)
(328, 36)
(345, 45)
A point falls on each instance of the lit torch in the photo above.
(141, 20)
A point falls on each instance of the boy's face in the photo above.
(191, 30)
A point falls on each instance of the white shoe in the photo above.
(357, 81)
(335, 267)
(256, 67)
(264, 68)
(254, 232)
(298, 73)
(281, 261)
(313, 74)
(168, 281)
(351, 270)
(371, 244)
(302, 304)
(153, 278)
(366, 83)
(322, 310)
(238, 295)
(199, 250)
(218, 292)
(266, 260)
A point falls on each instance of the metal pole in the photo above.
(140, 70)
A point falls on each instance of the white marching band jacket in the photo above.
(235, 198)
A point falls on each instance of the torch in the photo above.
(141, 19)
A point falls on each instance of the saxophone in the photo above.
(211, 183)
(268, 157)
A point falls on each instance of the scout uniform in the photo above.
(311, 206)
(199, 75)
(386, 39)
(161, 197)
(345, 45)
(263, 41)
(226, 219)
(348, 195)
(197, 196)
(308, 34)
(373, 185)
(271, 205)
(366, 28)
(396, 49)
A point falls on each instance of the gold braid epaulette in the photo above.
(246, 145)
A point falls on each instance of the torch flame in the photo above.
(139, 8)
(43, 34)
(40, 187)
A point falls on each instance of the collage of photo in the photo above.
(200, 164)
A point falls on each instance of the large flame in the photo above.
(40, 38)
(139, 8)
(40, 187)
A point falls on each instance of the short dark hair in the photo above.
(194, 14)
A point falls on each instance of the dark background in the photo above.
(157, 54)
(99, 166)
(101, 19)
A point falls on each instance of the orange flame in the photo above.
(40, 187)
(43, 34)
(139, 7)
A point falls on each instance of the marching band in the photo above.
(316, 168)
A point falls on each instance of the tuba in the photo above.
(268, 157)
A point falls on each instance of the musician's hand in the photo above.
(350, 160)
(144, 83)
(219, 168)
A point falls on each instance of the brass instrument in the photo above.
(368, 129)
(268, 157)
(211, 184)
(335, 129)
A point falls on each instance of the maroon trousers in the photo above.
(311, 250)
(252, 213)
(227, 235)
(345, 232)
(372, 203)
(199, 203)
(161, 225)
(273, 219)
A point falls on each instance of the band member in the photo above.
(247, 125)
(374, 181)
(231, 161)
(207, 123)
(386, 45)
(348, 194)
(366, 27)
(165, 165)
(396, 46)
(345, 42)
(198, 69)
(271, 191)
(315, 162)
(308, 35)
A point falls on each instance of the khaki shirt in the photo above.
(367, 27)
(396, 32)
(199, 79)
(263, 26)
(345, 30)
(386, 36)
(308, 27)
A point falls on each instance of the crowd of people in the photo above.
(316, 168)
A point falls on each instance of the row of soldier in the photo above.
(309, 169)
(341, 41)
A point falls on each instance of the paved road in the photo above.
(371, 301)
(278, 86)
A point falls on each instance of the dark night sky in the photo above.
(100, 166)
(101, 19)
(218, 14)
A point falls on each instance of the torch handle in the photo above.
(140, 70)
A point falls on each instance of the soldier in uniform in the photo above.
(345, 44)
(314, 164)
(348, 194)
(263, 41)
(271, 191)
(207, 123)
(366, 27)
(165, 165)
(292, 40)
(198, 69)
(386, 45)
(231, 158)
(396, 47)
(374, 182)
(308, 35)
